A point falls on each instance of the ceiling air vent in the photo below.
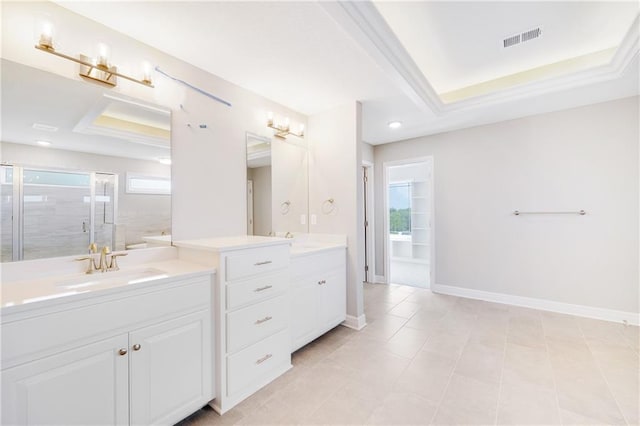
(512, 40)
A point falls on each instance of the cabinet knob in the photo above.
(136, 347)
(322, 282)
(122, 352)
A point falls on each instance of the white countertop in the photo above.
(230, 243)
(309, 249)
(39, 292)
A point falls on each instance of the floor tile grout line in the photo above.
(553, 371)
(504, 357)
(604, 377)
(444, 392)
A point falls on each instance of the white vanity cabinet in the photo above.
(139, 356)
(319, 294)
(252, 312)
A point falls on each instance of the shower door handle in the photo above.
(84, 226)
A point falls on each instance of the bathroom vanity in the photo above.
(251, 305)
(125, 347)
(318, 289)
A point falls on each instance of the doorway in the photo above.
(409, 222)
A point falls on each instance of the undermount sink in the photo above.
(133, 276)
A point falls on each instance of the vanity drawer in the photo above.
(254, 290)
(256, 261)
(254, 323)
(260, 360)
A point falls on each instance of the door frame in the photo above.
(370, 234)
(385, 214)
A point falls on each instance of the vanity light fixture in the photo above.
(97, 69)
(283, 129)
(395, 124)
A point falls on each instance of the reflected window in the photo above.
(143, 184)
(400, 208)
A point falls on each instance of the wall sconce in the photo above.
(97, 69)
(283, 129)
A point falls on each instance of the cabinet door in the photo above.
(84, 386)
(333, 298)
(304, 312)
(170, 369)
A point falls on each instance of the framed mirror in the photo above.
(80, 164)
(277, 185)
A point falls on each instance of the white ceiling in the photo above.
(395, 57)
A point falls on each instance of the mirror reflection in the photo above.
(277, 185)
(259, 193)
(80, 165)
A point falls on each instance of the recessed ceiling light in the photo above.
(395, 124)
(43, 143)
(165, 160)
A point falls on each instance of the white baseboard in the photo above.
(357, 323)
(542, 304)
(379, 279)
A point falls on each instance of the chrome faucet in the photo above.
(288, 235)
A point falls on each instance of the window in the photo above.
(144, 184)
(400, 208)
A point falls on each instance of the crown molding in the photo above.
(362, 21)
(370, 30)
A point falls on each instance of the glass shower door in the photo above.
(56, 213)
(105, 210)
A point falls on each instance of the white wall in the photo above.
(335, 158)
(290, 184)
(582, 158)
(209, 165)
(367, 152)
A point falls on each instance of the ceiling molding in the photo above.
(364, 23)
(625, 54)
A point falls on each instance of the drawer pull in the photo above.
(266, 287)
(265, 319)
(264, 358)
(322, 282)
(122, 352)
(266, 262)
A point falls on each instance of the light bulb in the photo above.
(301, 129)
(146, 76)
(46, 35)
(103, 55)
(269, 118)
(286, 123)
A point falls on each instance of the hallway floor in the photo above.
(433, 359)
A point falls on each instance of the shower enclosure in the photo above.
(50, 213)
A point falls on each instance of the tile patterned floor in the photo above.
(433, 359)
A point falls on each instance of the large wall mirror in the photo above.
(80, 164)
(277, 185)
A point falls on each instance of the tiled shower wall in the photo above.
(54, 226)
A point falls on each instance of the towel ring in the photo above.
(284, 207)
(328, 206)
